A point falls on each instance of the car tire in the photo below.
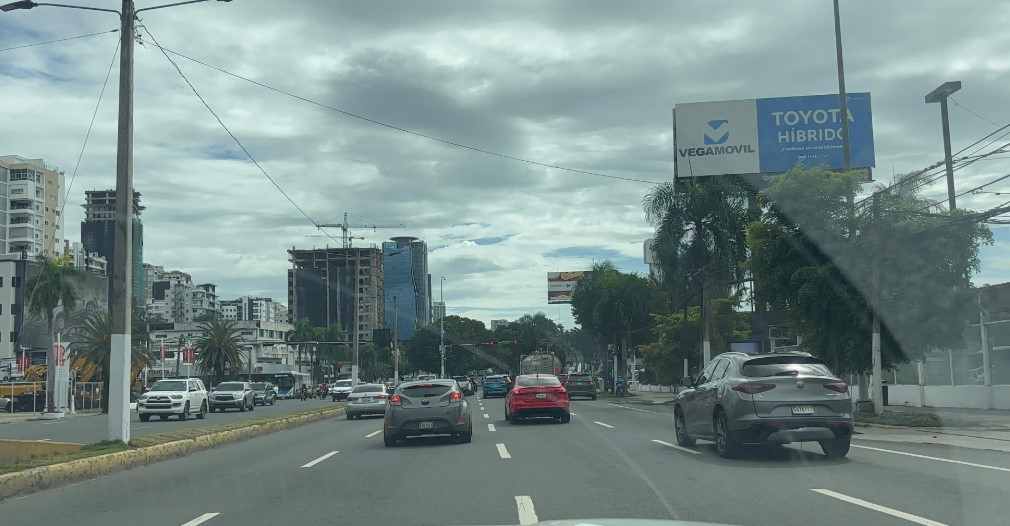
(350, 416)
(680, 429)
(203, 411)
(144, 417)
(836, 448)
(508, 418)
(184, 415)
(725, 444)
(566, 418)
(273, 401)
(242, 407)
(593, 397)
(467, 436)
(252, 406)
(389, 441)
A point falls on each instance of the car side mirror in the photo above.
(212, 389)
(687, 381)
(193, 389)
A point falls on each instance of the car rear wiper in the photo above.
(787, 373)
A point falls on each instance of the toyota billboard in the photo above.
(768, 136)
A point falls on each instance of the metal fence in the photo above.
(30, 397)
(88, 396)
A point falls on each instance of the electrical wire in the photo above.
(967, 109)
(59, 214)
(232, 135)
(405, 130)
(58, 40)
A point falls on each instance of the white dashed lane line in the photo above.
(602, 424)
(504, 453)
(636, 409)
(201, 519)
(675, 446)
(487, 415)
(373, 433)
(527, 515)
(320, 459)
(490, 427)
(877, 507)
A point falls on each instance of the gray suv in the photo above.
(238, 395)
(765, 399)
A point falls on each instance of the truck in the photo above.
(540, 363)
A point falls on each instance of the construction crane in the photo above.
(345, 237)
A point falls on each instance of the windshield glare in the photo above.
(169, 386)
(231, 386)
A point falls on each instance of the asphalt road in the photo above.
(88, 428)
(605, 463)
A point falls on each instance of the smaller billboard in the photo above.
(560, 285)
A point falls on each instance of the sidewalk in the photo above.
(973, 439)
(945, 418)
(640, 397)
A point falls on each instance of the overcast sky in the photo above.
(582, 84)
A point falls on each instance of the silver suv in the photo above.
(182, 397)
(765, 399)
(238, 395)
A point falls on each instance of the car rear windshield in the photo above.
(425, 390)
(580, 379)
(786, 366)
(259, 387)
(533, 381)
(460, 378)
(494, 380)
(230, 386)
(368, 389)
(342, 383)
(169, 386)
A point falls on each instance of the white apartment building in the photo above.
(251, 308)
(175, 298)
(30, 200)
(80, 258)
(437, 310)
(263, 341)
(497, 324)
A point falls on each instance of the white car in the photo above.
(340, 389)
(181, 397)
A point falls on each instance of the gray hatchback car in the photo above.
(429, 407)
(765, 399)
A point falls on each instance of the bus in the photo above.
(287, 382)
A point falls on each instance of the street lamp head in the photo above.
(945, 90)
(23, 4)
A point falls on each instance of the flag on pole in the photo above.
(61, 351)
(162, 349)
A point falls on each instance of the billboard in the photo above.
(762, 136)
(560, 285)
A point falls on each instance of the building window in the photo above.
(15, 281)
(1, 281)
(14, 336)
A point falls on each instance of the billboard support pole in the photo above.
(841, 89)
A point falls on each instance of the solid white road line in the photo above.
(938, 459)
(373, 433)
(636, 409)
(675, 446)
(44, 440)
(882, 509)
(320, 459)
(201, 519)
(487, 415)
(602, 424)
(490, 427)
(504, 453)
(527, 515)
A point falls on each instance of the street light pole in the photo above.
(940, 95)
(441, 324)
(842, 97)
(121, 303)
(396, 347)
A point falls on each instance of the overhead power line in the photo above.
(405, 130)
(58, 40)
(232, 135)
(967, 109)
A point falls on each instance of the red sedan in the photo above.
(537, 395)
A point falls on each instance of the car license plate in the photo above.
(541, 395)
(426, 425)
(803, 409)
(366, 400)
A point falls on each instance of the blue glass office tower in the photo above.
(405, 260)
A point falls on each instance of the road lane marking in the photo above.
(636, 409)
(574, 414)
(373, 433)
(44, 440)
(675, 446)
(602, 424)
(882, 509)
(487, 415)
(201, 519)
(320, 459)
(504, 453)
(938, 459)
(527, 515)
(490, 427)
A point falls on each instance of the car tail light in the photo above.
(751, 388)
(455, 396)
(381, 397)
(838, 387)
(516, 391)
(395, 400)
(352, 398)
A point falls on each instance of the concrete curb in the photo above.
(38, 479)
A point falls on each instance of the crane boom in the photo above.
(344, 227)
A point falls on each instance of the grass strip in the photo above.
(90, 450)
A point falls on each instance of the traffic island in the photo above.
(35, 474)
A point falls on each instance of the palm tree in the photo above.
(219, 347)
(93, 342)
(301, 332)
(52, 287)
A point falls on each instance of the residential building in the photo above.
(175, 298)
(498, 324)
(264, 343)
(98, 235)
(32, 199)
(253, 308)
(405, 271)
(437, 310)
(80, 258)
(323, 284)
(22, 335)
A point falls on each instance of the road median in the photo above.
(105, 458)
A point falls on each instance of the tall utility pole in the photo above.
(940, 95)
(842, 97)
(878, 373)
(357, 326)
(441, 325)
(122, 272)
(396, 346)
